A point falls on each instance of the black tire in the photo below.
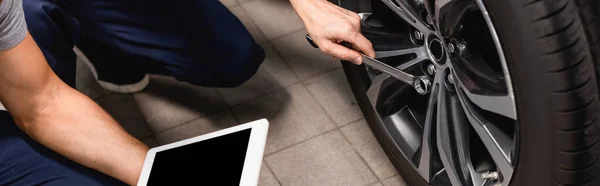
(553, 55)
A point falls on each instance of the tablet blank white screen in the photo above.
(219, 160)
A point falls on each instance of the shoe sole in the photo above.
(124, 89)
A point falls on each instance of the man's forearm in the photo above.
(62, 119)
(77, 128)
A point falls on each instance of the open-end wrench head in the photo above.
(422, 84)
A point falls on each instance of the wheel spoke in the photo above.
(419, 51)
(373, 91)
(445, 143)
(407, 13)
(447, 14)
(499, 104)
(424, 167)
(486, 89)
(498, 144)
(453, 141)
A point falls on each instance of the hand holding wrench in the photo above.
(420, 83)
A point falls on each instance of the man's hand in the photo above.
(329, 25)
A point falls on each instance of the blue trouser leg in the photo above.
(197, 41)
(55, 32)
(25, 162)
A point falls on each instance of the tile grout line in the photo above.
(142, 138)
(234, 116)
(375, 183)
(153, 137)
(360, 156)
(101, 97)
(285, 62)
(282, 88)
(392, 176)
(253, 21)
(228, 107)
(191, 120)
(272, 172)
(323, 73)
(268, 40)
(259, 96)
(319, 103)
(279, 89)
(289, 33)
(362, 118)
(300, 142)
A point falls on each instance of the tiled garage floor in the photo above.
(317, 134)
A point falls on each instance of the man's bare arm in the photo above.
(63, 119)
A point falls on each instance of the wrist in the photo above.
(303, 8)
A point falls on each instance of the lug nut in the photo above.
(450, 79)
(490, 175)
(431, 69)
(418, 35)
(461, 47)
(429, 20)
(451, 47)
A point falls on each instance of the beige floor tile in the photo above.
(266, 177)
(240, 13)
(273, 74)
(150, 141)
(197, 127)
(86, 82)
(244, 1)
(395, 181)
(360, 136)
(269, 50)
(124, 109)
(333, 92)
(293, 115)
(325, 160)
(377, 184)
(305, 60)
(229, 3)
(274, 18)
(167, 102)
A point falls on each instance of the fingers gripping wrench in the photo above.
(420, 83)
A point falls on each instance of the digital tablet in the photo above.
(230, 156)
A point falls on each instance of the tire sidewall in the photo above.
(536, 147)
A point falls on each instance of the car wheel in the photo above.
(514, 97)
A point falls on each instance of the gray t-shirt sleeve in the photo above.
(12, 23)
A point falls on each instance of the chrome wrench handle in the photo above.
(420, 83)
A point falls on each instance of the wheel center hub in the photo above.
(436, 50)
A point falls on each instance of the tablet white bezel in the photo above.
(254, 153)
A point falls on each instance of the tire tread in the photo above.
(559, 29)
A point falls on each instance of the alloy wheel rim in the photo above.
(464, 102)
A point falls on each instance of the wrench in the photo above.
(420, 83)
